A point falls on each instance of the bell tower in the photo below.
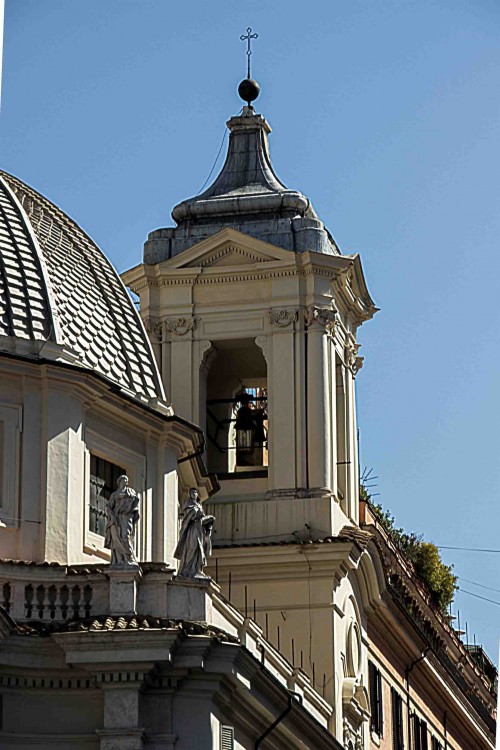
(253, 312)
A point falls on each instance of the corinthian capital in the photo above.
(352, 359)
(324, 317)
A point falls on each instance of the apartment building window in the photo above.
(419, 733)
(377, 711)
(436, 744)
(398, 741)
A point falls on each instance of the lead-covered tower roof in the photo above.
(248, 196)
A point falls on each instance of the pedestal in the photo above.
(123, 582)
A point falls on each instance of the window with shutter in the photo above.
(424, 735)
(420, 734)
(377, 711)
(417, 745)
(398, 742)
(226, 738)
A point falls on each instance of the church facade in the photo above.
(311, 629)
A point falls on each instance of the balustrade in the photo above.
(63, 603)
(47, 601)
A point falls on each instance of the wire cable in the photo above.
(481, 585)
(467, 549)
(492, 601)
(214, 164)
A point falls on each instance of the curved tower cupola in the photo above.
(247, 195)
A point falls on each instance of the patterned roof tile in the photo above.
(57, 285)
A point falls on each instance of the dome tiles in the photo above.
(57, 286)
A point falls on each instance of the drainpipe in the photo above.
(283, 714)
(408, 671)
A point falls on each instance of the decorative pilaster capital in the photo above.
(322, 317)
(282, 318)
(353, 361)
(180, 326)
(154, 327)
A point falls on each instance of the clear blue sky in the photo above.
(386, 115)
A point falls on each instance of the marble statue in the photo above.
(122, 512)
(195, 539)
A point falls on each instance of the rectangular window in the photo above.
(10, 431)
(103, 476)
(226, 738)
(436, 745)
(419, 733)
(398, 741)
(377, 717)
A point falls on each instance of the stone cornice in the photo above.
(265, 262)
(404, 586)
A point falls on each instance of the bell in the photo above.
(245, 425)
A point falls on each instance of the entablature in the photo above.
(232, 257)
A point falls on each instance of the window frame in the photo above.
(11, 419)
(420, 733)
(135, 467)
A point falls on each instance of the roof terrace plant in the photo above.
(432, 571)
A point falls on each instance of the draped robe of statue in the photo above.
(195, 543)
(122, 516)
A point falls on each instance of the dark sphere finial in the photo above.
(249, 90)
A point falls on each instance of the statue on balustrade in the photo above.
(195, 539)
(122, 513)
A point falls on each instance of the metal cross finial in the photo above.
(248, 36)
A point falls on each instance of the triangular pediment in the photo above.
(228, 248)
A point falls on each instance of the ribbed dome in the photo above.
(57, 286)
